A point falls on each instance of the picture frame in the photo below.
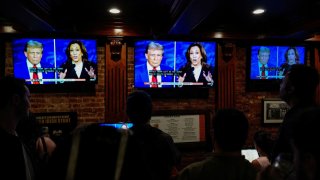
(273, 110)
(188, 129)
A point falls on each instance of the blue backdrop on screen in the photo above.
(61, 45)
(53, 51)
(174, 53)
(181, 48)
(277, 58)
(47, 54)
(168, 56)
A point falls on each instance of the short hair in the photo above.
(154, 45)
(33, 44)
(11, 86)
(263, 49)
(202, 51)
(264, 141)
(139, 107)
(230, 129)
(306, 131)
(304, 79)
(102, 142)
(305, 138)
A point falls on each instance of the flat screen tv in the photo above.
(171, 61)
(53, 64)
(118, 125)
(268, 64)
(169, 67)
(250, 154)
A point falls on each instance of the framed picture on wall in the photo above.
(188, 129)
(273, 110)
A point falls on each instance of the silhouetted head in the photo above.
(11, 86)
(14, 98)
(263, 141)
(299, 85)
(306, 144)
(230, 129)
(139, 107)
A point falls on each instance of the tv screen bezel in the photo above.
(173, 46)
(199, 92)
(86, 87)
(268, 84)
(118, 125)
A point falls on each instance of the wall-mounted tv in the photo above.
(267, 64)
(53, 63)
(171, 64)
(118, 125)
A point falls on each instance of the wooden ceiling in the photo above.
(290, 19)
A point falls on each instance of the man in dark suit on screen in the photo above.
(32, 69)
(263, 68)
(152, 74)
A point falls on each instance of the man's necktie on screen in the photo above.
(263, 72)
(35, 77)
(154, 81)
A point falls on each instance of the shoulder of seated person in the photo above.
(256, 164)
(48, 140)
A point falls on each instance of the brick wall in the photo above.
(248, 102)
(91, 108)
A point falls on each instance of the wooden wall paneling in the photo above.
(226, 81)
(317, 66)
(116, 86)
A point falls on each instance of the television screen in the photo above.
(272, 62)
(174, 64)
(250, 154)
(268, 64)
(118, 125)
(51, 61)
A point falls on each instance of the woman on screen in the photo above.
(196, 68)
(292, 57)
(77, 65)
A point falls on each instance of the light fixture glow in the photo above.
(114, 11)
(8, 29)
(118, 31)
(218, 35)
(258, 11)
